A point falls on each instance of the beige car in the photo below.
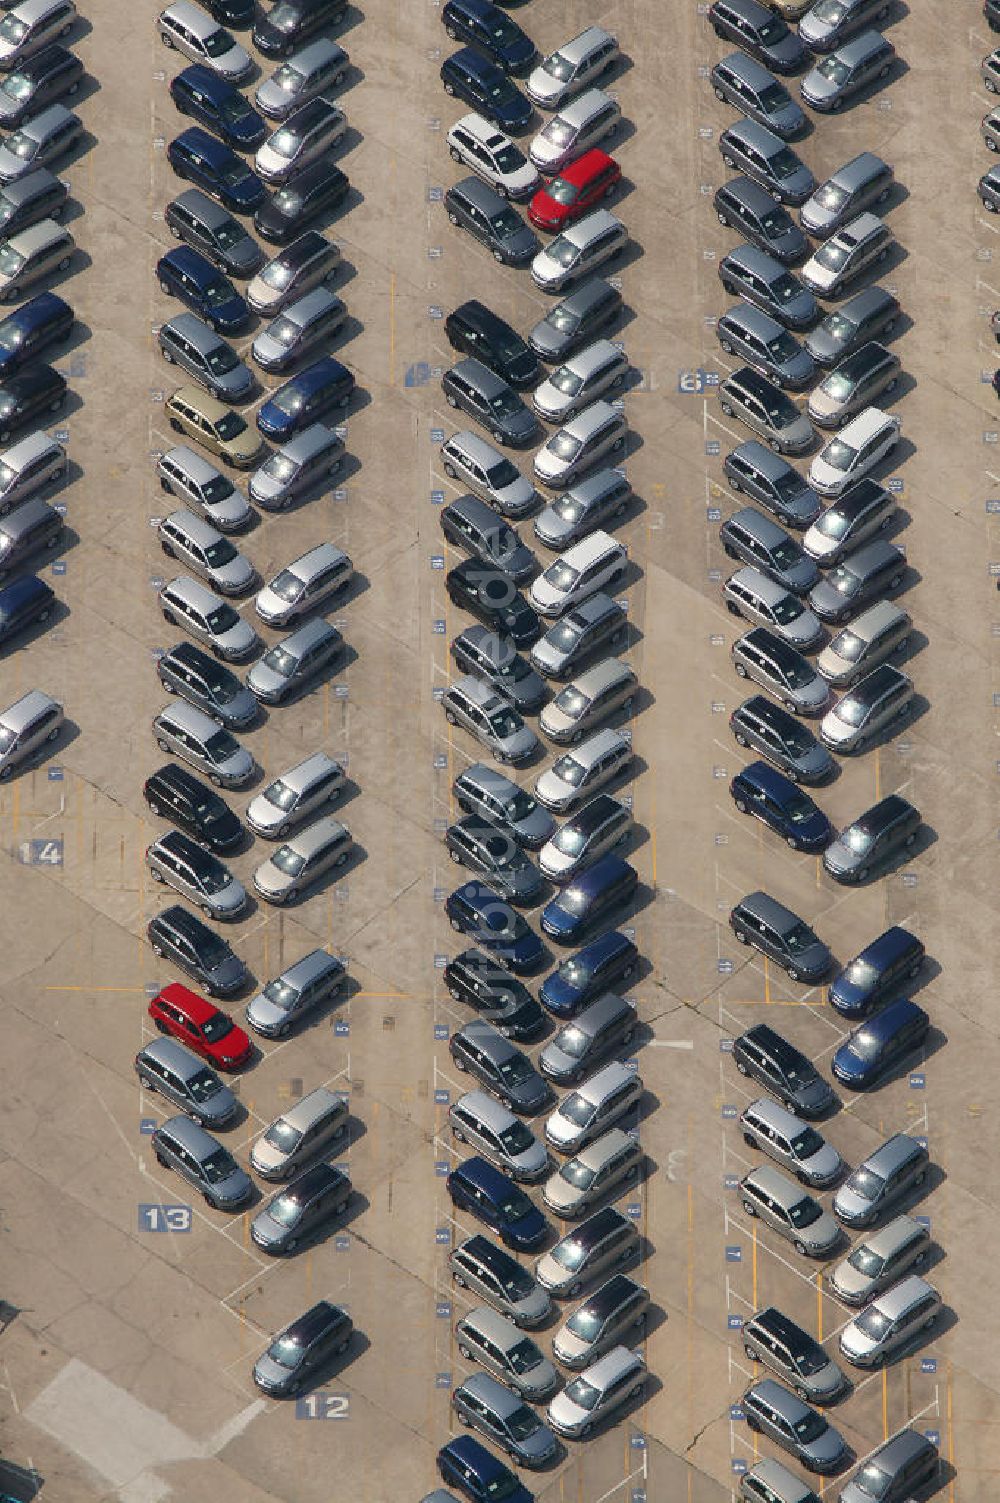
(312, 1124)
(302, 860)
(789, 10)
(216, 427)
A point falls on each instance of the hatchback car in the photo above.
(301, 1208)
(888, 827)
(827, 23)
(871, 570)
(39, 141)
(896, 955)
(780, 1066)
(761, 921)
(601, 1389)
(588, 374)
(767, 1481)
(288, 24)
(894, 1471)
(895, 1168)
(218, 429)
(782, 1416)
(576, 319)
(880, 1044)
(596, 432)
(476, 909)
(760, 279)
(186, 274)
(598, 827)
(582, 771)
(757, 597)
(770, 1337)
(30, 723)
(869, 314)
(751, 210)
(482, 1122)
(291, 665)
(308, 983)
(200, 1025)
(597, 623)
(182, 1145)
(317, 189)
(869, 708)
(601, 965)
(781, 804)
(303, 1350)
(490, 717)
(205, 955)
(878, 1260)
(761, 33)
(861, 182)
(207, 227)
(766, 409)
(600, 1101)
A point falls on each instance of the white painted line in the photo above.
(671, 1043)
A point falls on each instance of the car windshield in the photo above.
(276, 274)
(830, 11)
(783, 289)
(228, 234)
(218, 1025)
(563, 319)
(558, 133)
(285, 1351)
(223, 619)
(285, 142)
(230, 426)
(575, 971)
(499, 90)
(861, 973)
(236, 172)
(286, 585)
(811, 1426)
(872, 1480)
(830, 196)
(783, 163)
(563, 251)
(564, 446)
(787, 609)
(288, 78)
(17, 86)
(866, 1261)
(282, 1135)
(280, 994)
(505, 723)
(502, 474)
(288, 860)
(783, 347)
(797, 740)
(218, 43)
(499, 1488)
(515, 1070)
(506, 223)
(509, 159)
(10, 260)
(222, 360)
(204, 1085)
(569, 770)
(577, 1174)
(864, 1045)
(569, 1253)
(518, 1284)
(834, 70)
(850, 711)
(285, 1210)
(284, 330)
(558, 67)
(844, 580)
(569, 509)
(516, 1205)
(832, 524)
(857, 839)
(8, 403)
(810, 1360)
(577, 1110)
(505, 403)
(212, 952)
(566, 381)
(772, 98)
(288, 201)
(805, 1211)
(563, 635)
(12, 28)
(789, 484)
(280, 795)
(798, 940)
(573, 1041)
(221, 747)
(220, 553)
(521, 806)
(516, 669)
(517, 1138)
(786, 554)
(838, 455)
(219, 292)
(831, 255)
(571, 702)
(864, 1181)
(773, 31)
(775, 222)
(800, 808)
(584, 1324)
(214, 879)
(523, 1357)
(561, 576)
(280, 661)
(806, 1143)
(218, 1166)
(234, 107)
(562, 192)
(289, 400)
(279, 467)
(569, 841)
(583, 1393)
(522, 1423)
(873, 1323)
(218, 489)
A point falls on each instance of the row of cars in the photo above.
(541, 644)
(838, 577)
(227, 284)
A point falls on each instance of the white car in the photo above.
(854, 452)
(594, 563)
(492, 156)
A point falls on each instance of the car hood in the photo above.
(520, 427)
(238, 640)
(550, 401)
(519, 564)
(798, 370)
(817, 89)
(552, 529)
(559, 995)
(274, 423)
(270, 351)
(525, 695)
(243, 257)
(848, 998)
(231, 512)
(234, 576)
(838, 732)
(561, 1132)
(274, 100)
(270, 1375)
(788, 53)
(520, 745)
(815, 764)
(271, 879)
(520, 880)
(838, 857)
(545, 598)
(552, 1274)
(526, 951)
(549, 342)
(815, 1096)
(521, 243)
(11, 166)
(547, 157)
(788, 120)
(231, 899)
(819, 221)
(265, 488)
(855, 1344)
(815, 960)
(228, 975)
(823, 1165)
(528, 1094)
(566, 1415)
(272, 165)
(797, 432)
(549, 468)
(797, 186)
(849, 1068)
(537, 1447)
(815, 831)
(267, 1159)
(230, 316)
(816, 543)
(262, 1014)
(800, 310)
(825, 1451)
(555, 722)
(803, 631)
(531, 1164)
(536, 829)
(267, 1232)
(532, 1310)
(824, 347)
(554, 791)
(821, 406)
(234, 1189)
(562, 1196)
(265, 681)
(238, 767)
(272, 607)
(555, 864)
(516, 498)
(546, 657)
(834, 668)
(814, 30)
(544, 89)
(851, 1284)
(570, 1349)
(823, 1234)
(789, 242)
(826, 479)
(800, 576)
(827, 601)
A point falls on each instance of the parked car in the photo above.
(477, 1187)
(486, 985)
(575, 319)
(26, 395)
(757, 597)
(483, 84)
(594, 762)
(782, 805)
(769, 660)
(870, 373)
(476, 909)
(601, 1389)
(785, 741)
(315, 394)
(579, 250)
(601, 965)
(182, 1145)
(867, 709)
(754, 538)
(612, 1162)
(166, 1068)
(580, 186)
(221, 431)
(760, 279)
(316, 68)
(899, 1165)
(497, 1344)
(771, 1059)
(773, 483)
(303, 1350)
(597, 623)
(298, 268)
(294, 795)
(769, 926)
(486, 214)
(572, 67)
(279, 31)
(494, 854)
(794, 1144)
(305, 136)
(878, 1260)
(191, 30)
(307, 1203)
(891, 1322)
(302, 860)
(596, 1104)
(312, 1125)
(896, 955)
(206, 956)
(862, 511)
(487, 1405)
(890, 825)
(485, 791)
(750, 209)
(606, 689)
(174, 793)
(880, 630)
(759, 32)
(747, 85)
(869, 314)
(766, 409)
(209, 228)
(880, 1044)
(827, 23)
(200, 1025)
(784, 1417)
(199, 157)
(186, 274)
(750, 147)
(308, 983)
(904, 1463)
(866, 442)
(501, 1067)
(861, 182)
(33, 721)
(606, 1241)
(842, 74)
(181, 863)
(490, 717)
(494, 659)
(786, 1208)
(492, 155)
(189, 342)
(479, 391)
(291, 665)
(479, 1474)
(474, 329)
(617, 1308)
(581, 124)
(318, 188)
(217, 104)
(595, 501)
(770, 1337)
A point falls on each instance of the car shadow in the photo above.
(898, 70)
(49, 750)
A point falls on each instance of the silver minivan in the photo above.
(27, 530)
(33, 254)
(301, 987)
(867, 709)
(467, 457)
(594, 1106)
(296, 794)
(208, 618)
(607, 1023)
(311, 1125)
(313, 318)
(302, 860)
(490, 1128)
(600, 367)
(184, 472)
(187, 27)
(783, 1205)
(877, 1261)
(28, 465)
(30, 723)
(189, 342)
(606, 1240)
(892, 1320)
(314, 68)
(603, 690)
(868, 640)
(304, 584)
(618, 1307)
(39, 142)
(193, 538)
(583, 770)
(579, 125)
(598, 430)
(579, 250)
(600, 826)
(491, 1339)
(898, 1166)
(33, 24)
(313, 455)
(193, 1153)
(613, 1161)
(861, 182)
(197, 739)
(166, 1067)
(758, 598)
(794, 1144)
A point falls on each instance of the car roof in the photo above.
(858, 167)
(207, 210)
(777, 649)
(192, 656)
(606, 1299)
(491, 1324)
(596, 544)
(207, 145)
(477, 692)
(588, 295)
(306, 116)
(489, 1254)
(781, 1325)
(177, 917)
(752, 258)
(771, 465)
(881, 679)
(22, 589)
(603, 675)
(596, 1227)
(887, 809)
(584, 230)
(769, 1112)
(190, 1135)
(763, 906)
(769, 1391)
(311, 1107)
(608, 1145)
(582, 45)
(759, 526)
(605, 944)
(24, 710)
(316, 51)
(747, 68)
(475, 447)
(891, 943)
(612, 1366)
(301, 249)
(754, 320)
(24, 189)
(594, 813)
(312, 1181)
(199, 1009)
(593, 356)
(859, 229)
(189, 718)
(191, 15)
(763, 586)
(769, 780)
(765, 709)
(488, 1040)
(172, 1053)
(772, 1182)
(204, 79)
(486, 1107)
(488, 383)
(475, 312)
(595, 608)
(894, 1016)
(44, 306)
(182, 779)
(756, 198)
(476, 1457)
(313, 175)
(895, 1301)
(579, 110)
(480, 129)
(601, 483)
(496, 1396)
(754, 134)
(868, 301)
(894, 1151)
(585, 167)
(857, 498)
(858, 48)
(479, 1172)
(313, 1323)
(779, 1048)
(898, 1449)
(327, 371)
(607, 1079)
(474, 62)
(192, 263)
(894, 1235)
(315, 837)
(598, 876)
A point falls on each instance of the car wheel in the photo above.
(167, 41)
(574, 1289)
(587, 1430)
(156, 876)
(740, 673)
(732, 608)
(453, 218)
(750, 1208)
(791, 973)
(456, 156)
(462, 1285)
(791, 706)
(726, 408)
(729, 161)
(895, 581)
(169, 618)
(800, 1247)
(838, 104)
(213, 777)
(459, 1063)
(163, 745)
(739, 1063)
(450, 89)
(176, 426)
(161, 1160)
(450, 717)
(450, 471)
(722, 219)
(791, 840)
(719, 95)
(628, 1037)
(740, 739)
(455, 925)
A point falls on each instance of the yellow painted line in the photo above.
(754, 1263)
(819, 1307)
(819, 868)
(951, 1434)
(136, 988)
(392, 328)
(885, 1404)
(767, 981)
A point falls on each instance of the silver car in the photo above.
(607, 688)
(495, 1342)
(309, 132)
(488, 1406)
(598, 1103)
(892, 1321)
(491, 1272)
(298, 863)
(310, 1126)
(30, 723)
(480, 709)
(794, 1144)
(878, 1260)
(187, 27)
(588, 374)
(208, 618)
(314, 68)
(611, 1162)
(618, 1308)
(291, 664)
(584, 770)
(183, 1146)
(196, 738)
(771, 661)
(202, 548)
(572, 67)
(325, 570)
(748, 146)
(767, 410)
(598, 1392)
(296, 794)
(181, 863)
(298, 991)
(167, 1068)
(489, 1127)
(757, 597)
(870, 638)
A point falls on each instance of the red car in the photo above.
(201, 1025)
(578, 188)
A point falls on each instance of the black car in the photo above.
(219, 105)
(38, 81)
(176, 794)
(197, 156)
(494, 853)
(482, 983)
(783, 1069)
(303, 1350)
(317, 189)
(186, 274)
(175, 933)
(475, 330)
(231, 12)
(494, 658)
(287, 25)
(41, 321)
(37, 195)
(28, 393)
(489, 594)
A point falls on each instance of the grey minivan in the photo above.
(575, 319)
(898, 1166)
(294, 795)
(766, 409)
(180, 1144)
(790, 1421)
(785, 1207)
(759, 278)
(754, 336)
(473, 525)
(474, 206)
(773, 483)
(748, 207)
(842, 74)
(166, 1067)
(895, 1471)
(491, 1339)
(479, 391)
(606, 1024)
(299, 989)
(201, 741)
(746, 84)
(26, 530)
(25, 726)
(315, 317)
(589, 504)
(861, 182)
(291, 664)
(497, 1062)
(185, 472)
(320, 65)
(189, 342)
(754, 538)
(747, 146)
(314, 455)
(873, 569)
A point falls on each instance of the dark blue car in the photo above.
(472, 77)
(305, 399)
(598, 967)
(214, 102)
(880, 1043)
(467, 1464)
(186, 274)
(475, 1186)
(474, 908)
(27, 600)
(487, 27)
(895, 956)
(215, 168)
(761, 790)
(30, 329)
(588, 898)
